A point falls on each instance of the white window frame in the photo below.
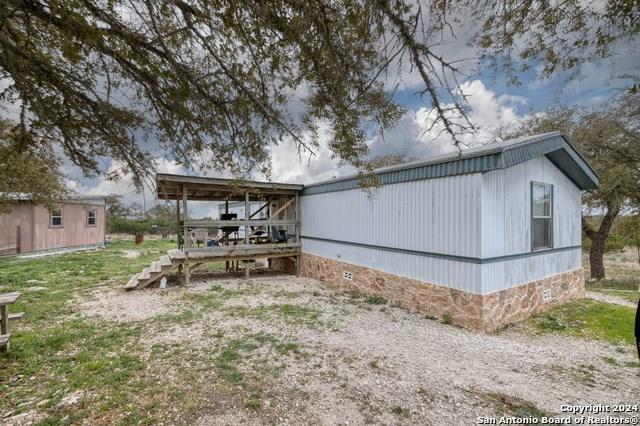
(549, 217)
(95, 217)
(61, 216)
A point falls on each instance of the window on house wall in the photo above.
(541, 216)
(91, 217)
(56, 216)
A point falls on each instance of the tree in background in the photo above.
(216, 83)
(610, 140)
(630, 230)
(135, 220)
(27, 168)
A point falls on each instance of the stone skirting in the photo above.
(484, 313)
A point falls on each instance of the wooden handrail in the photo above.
(239, 222)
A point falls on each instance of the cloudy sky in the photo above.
(494, 106)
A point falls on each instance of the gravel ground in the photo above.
(380, 364)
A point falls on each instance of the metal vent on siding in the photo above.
(347, 275)
(546, 295)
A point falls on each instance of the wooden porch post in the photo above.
(186, 241)
(246, 231)
(18, 243)
(226, 211)
(178, 230)
(297, 228)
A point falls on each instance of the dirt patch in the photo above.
(122, 306)
(131, 254)
(607, 298)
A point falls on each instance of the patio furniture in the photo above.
(198, 236)
(7, 299)
(279, 235)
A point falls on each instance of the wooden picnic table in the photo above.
(7, 299)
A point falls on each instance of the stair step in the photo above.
(133, 282)
(4, 339)
(166, 261)
(145, 274)
(16, 316)
(155, 267)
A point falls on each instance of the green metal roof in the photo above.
(501, 155)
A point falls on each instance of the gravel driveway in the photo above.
(362, 361)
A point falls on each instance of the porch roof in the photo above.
(170, 187)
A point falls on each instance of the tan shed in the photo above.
(73, 223)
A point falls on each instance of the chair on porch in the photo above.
(279, 235)
(198, 236)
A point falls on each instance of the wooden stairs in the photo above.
(153, 273)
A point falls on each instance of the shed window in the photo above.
(56, 216)
(91, 217)
(541, 216)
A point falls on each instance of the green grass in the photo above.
(54, 352)
(587, 319)
(376, 300)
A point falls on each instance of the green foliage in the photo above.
(128, 226)
(556, 36)
(376, 300)
(27, 166)
(133, 220)
(215, 82)
(614, 243)
(628, 228)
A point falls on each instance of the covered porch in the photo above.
(267, 227)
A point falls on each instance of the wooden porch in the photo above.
(274, 234)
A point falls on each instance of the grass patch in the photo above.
(587, 319)
(508, 405)
(290, 314)
(400, 411)
(254, 402)
(376, 300)
(446, 318)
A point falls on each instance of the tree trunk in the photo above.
(596, 257)
(598, 240)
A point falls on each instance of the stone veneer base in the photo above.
(485, 313)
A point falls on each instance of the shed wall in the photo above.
(21, 215)
(74, 232)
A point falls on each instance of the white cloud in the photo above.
(415, 136)
(411, 138)
(124, 186)
(290, 166)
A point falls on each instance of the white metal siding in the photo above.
(511, 273)
(477, 215)
(460, 275)
(506, 208)
(436, 215)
